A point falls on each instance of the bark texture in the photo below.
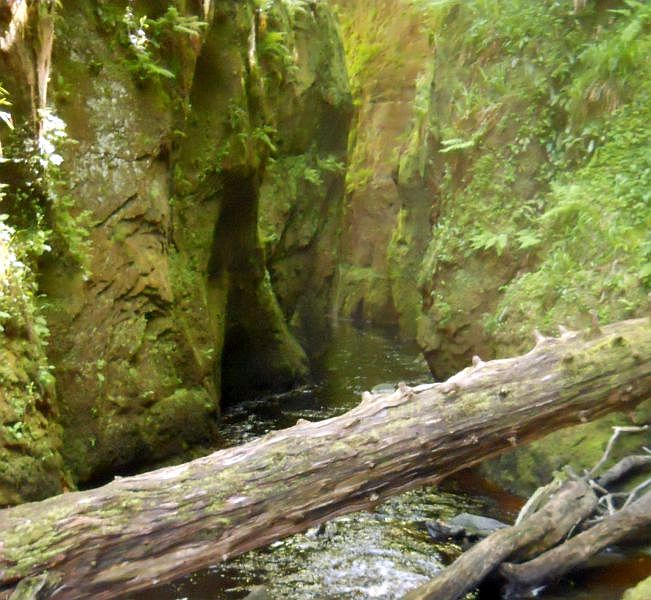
(139, 531)
(560, 560)
(573, 503)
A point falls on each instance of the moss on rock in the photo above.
(174, 128)
(539, 220)
(641, 591)
(31, 465)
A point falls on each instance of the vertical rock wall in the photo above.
(31, 464)
(180, 120)
(519, 184)
(388, 55)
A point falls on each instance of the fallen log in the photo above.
(572, 503)
(139, 531)
(551, 514)
(554, 563)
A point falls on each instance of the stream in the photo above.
(379, 555)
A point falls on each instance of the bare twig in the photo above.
(607, 500)
(613, 438)
(635, 491)
(554, 563)
(623, 468)
(597, 487)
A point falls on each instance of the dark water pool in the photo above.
(379, 555)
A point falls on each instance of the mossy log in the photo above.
(140, 531)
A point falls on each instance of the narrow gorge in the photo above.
(194, 193)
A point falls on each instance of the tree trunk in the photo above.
(140, 531)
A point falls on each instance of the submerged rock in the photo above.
(463, 527)
(476, 524)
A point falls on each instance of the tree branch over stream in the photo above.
(140, 531)
(552, 514)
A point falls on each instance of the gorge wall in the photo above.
(190, 171)
(520, 184)
(193, 188)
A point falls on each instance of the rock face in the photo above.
(181, 126)
(530, 222)
(516, 186)
(497, 160)
(31, 464)
(30, 449)
(376, 244)
(186, 163)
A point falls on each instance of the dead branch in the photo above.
(556, 562)
(570, 505)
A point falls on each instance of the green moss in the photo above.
(521, 471)
(178, 420)
(30, 438)
(640, 592)
(528, 177)
(364, 294)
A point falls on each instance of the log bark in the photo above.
(560, 560)
(140, 531)
(571, 504)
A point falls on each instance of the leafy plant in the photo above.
(5, 116)
(145, 37)
(489, 240)
(456, 144)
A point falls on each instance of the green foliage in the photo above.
(19, 315)
(364, 49)
(254, 141)
(293, 172)
(610, 65)
(596, 234)
(357, 177)
(489, 240)
(147, 37)
(69, 232)
(456, 144)
(273, 45)
(278, 22)
(288, 201)
(296, 8)
(543, 160)
(5, 116)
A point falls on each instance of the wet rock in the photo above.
(384, 388)
(463, 527)
(476, 524)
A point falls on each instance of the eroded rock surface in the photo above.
(175, 130)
